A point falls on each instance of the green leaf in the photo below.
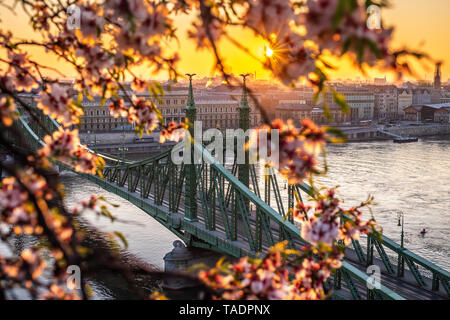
(326, 110)
(106, 213)
(341, 102)
(346, 46)
(198, 266)
(122, 238)
(338, 15)
(340, 136)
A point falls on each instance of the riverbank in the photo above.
(379, 133)
(421, 130)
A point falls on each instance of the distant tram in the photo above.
(144, 139)
(365, 123)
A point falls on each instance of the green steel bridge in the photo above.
(232, 210)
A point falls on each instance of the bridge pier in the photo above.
(181, 258)
(177, 261)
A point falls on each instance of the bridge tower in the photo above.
(243, 168)
(244, 124)
(190, 201)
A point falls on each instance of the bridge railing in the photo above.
(273, 191)
(32, 138)
(439, 275)
(264, 211)
(163, 174)
(53, 125)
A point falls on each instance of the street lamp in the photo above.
(401, 260)
(401, 216)
(123, 149)
(88, 137)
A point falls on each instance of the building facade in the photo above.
(223, 113)
(421, 96)
(215, 110)
(426, 112)
(97, 118)
(386, 104)
(360, 100)
(295, 112)
(413, 113)
(442, 115)
(405, 99)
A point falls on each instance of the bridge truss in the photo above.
(210, 206)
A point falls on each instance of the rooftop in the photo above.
(438, 105)
(294, 107)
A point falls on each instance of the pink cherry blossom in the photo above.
(21, 72)
(173, 132)
(298, 149)
(269, 16)
(11, 195)
(143, 114)
(57, 103)
(92, 23)
(64, 145)
(7, 111)
(317, 230)
(199, 32)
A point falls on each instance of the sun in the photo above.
(269, 51)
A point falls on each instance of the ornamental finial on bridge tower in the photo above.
(191, 103)
(244, 101)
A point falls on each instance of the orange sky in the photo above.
(420, 24)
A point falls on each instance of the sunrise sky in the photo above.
(420, 24)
